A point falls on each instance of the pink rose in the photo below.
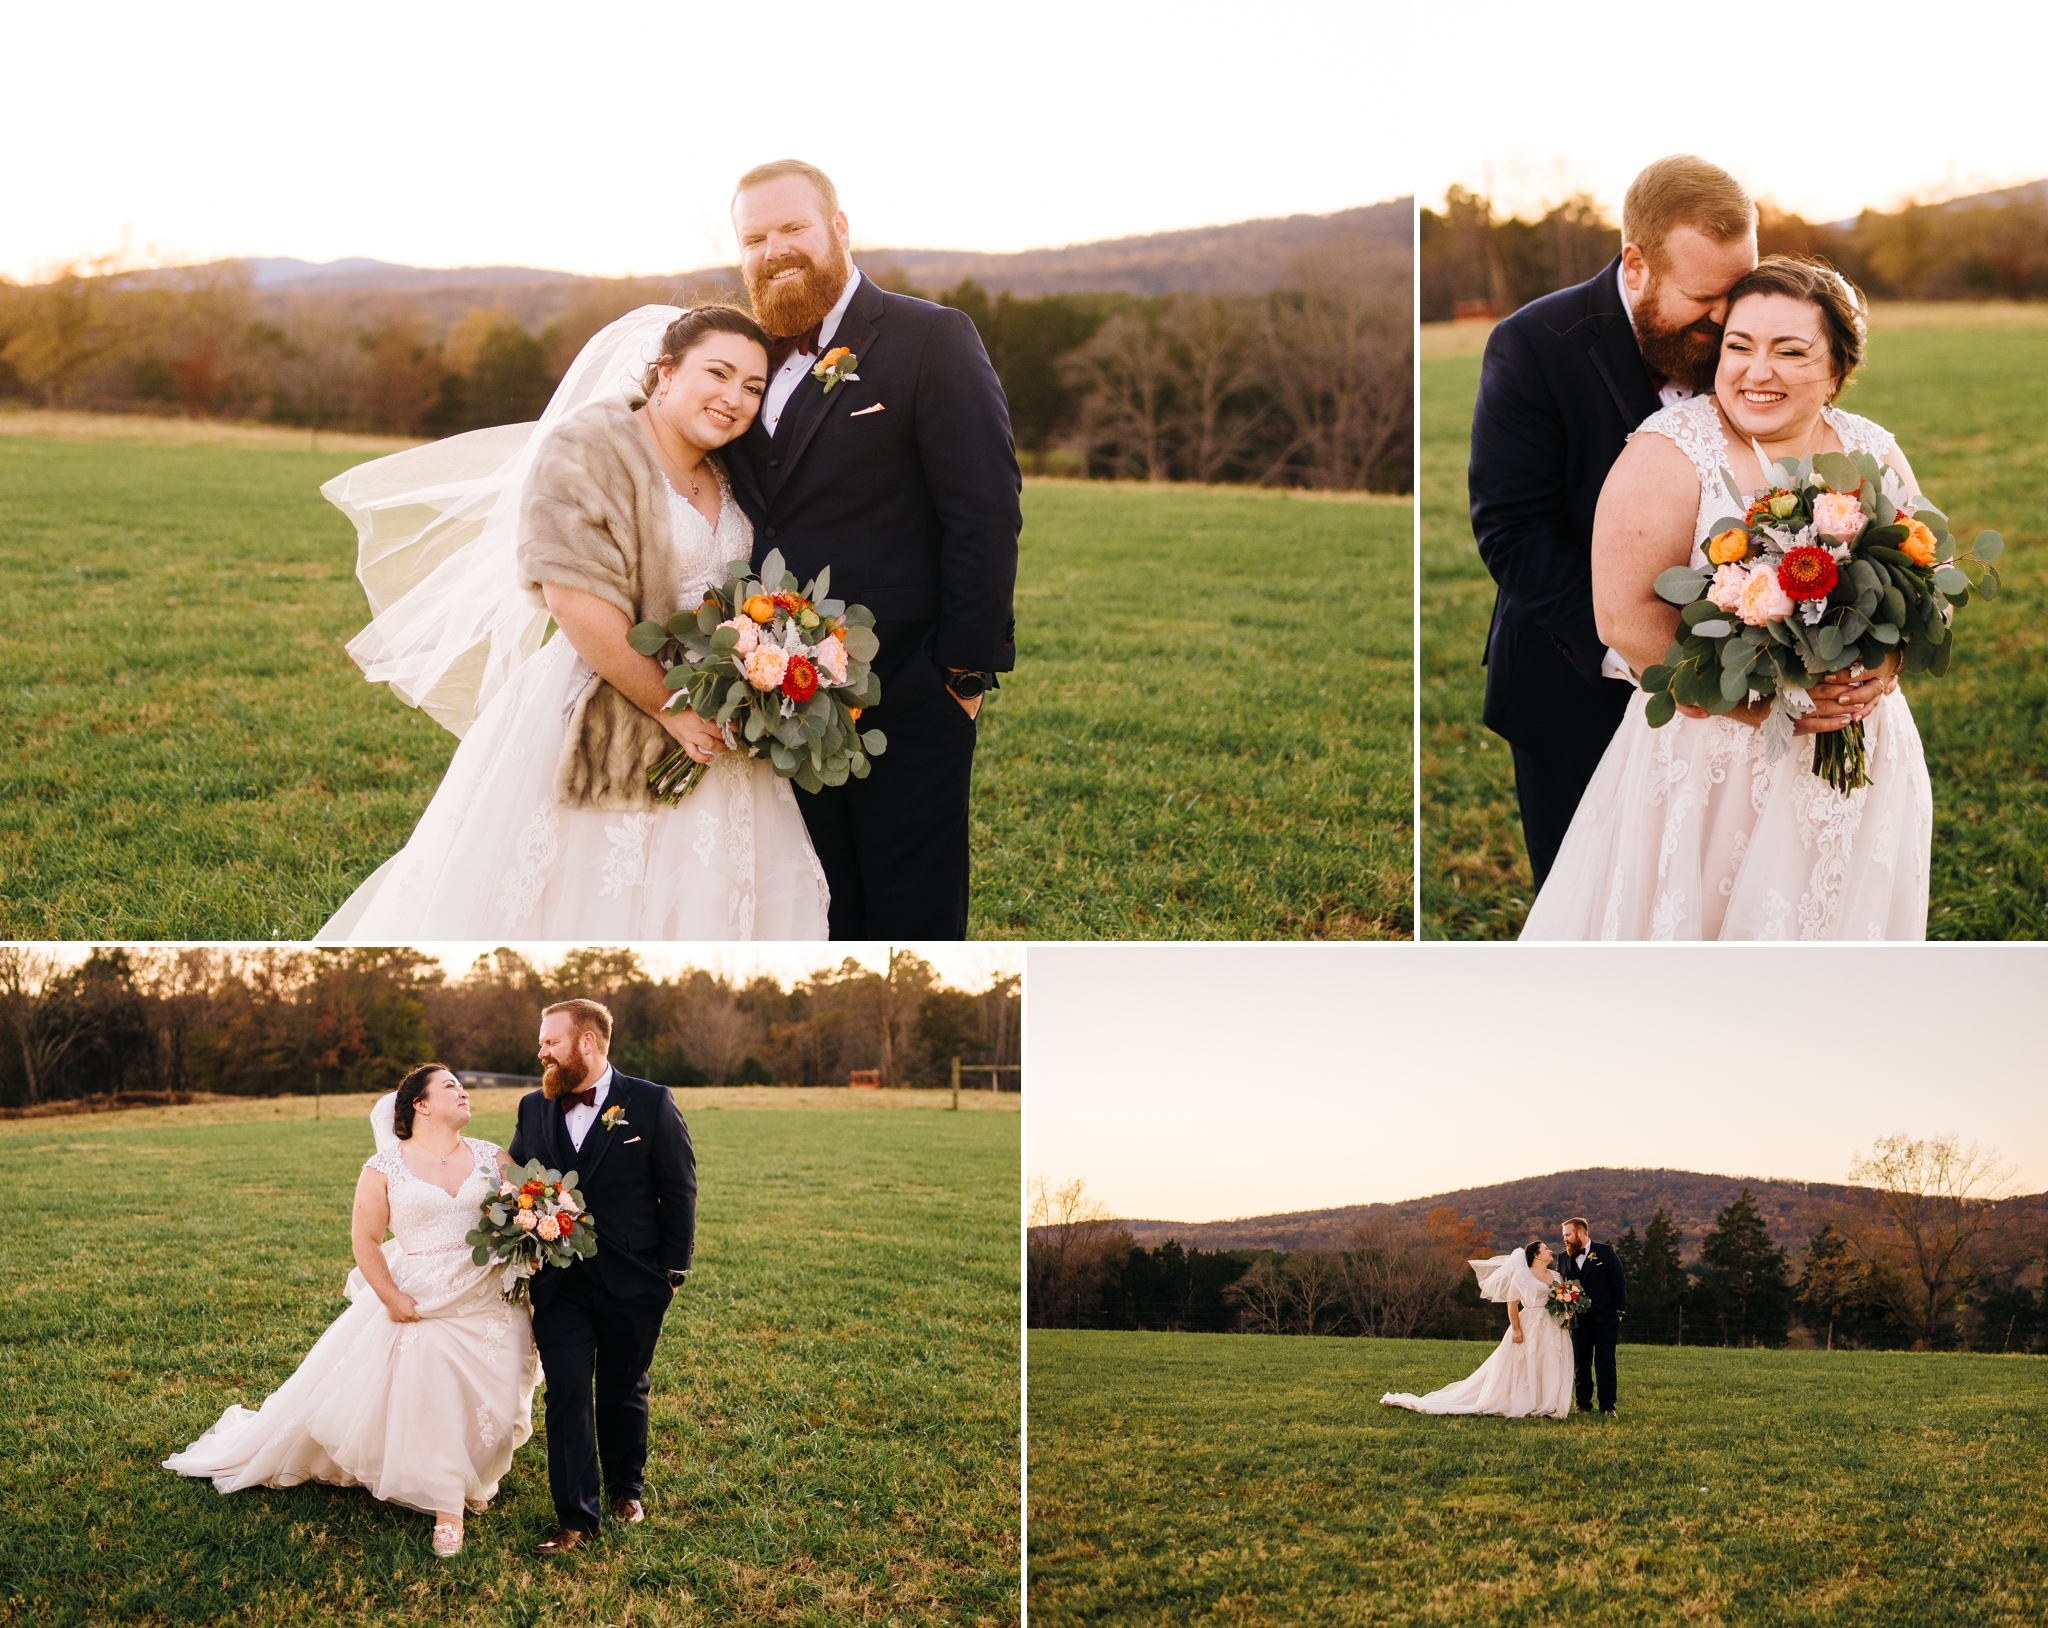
(1726, 591)
(765, 667)
(525, 1221)
(549, 1228)
(506, 1189)
(1763, 600)
(750, 635)
(1838, 515)
(831, 659)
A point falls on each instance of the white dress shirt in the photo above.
(580, 1118)
(800, 362)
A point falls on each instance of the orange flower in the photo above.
(1808, 573)
(1919, 544)
(760, 607)
(564, 1224)
(1730, 546)
(526, 1201)
(791, 602)
(799, 679)
(854, 713)
(534, 1187)
(834, 356)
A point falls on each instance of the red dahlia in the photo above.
(1808, 573)
(799, 679)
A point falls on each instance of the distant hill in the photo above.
(1245, 257)
(1514, 1212)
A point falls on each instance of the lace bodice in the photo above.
(424, 1218)
(1695, 428)
(702, 550)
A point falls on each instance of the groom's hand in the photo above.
(968, 707)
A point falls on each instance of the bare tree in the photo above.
(1216, 359)
(46, 1026)
(1127, 370)
(1315, 1282)
(1395, 1278)
(1069, 1244)
(1929, 1226)
(1261, 1297)
(1340, 354)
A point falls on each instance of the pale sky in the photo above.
(605, 137)
(1199, 1083)
(1824, 108)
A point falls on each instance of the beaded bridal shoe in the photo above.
(447, 1539)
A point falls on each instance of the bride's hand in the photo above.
(1752, 713)
(402, 1309)
(1839, 700)
(697, 736)
(1518, 1336)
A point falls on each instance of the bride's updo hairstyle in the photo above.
(1531, 1250)
(410, 1090)
(1818, 284)
(690, 330)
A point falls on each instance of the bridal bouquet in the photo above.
(1567, 1299)
(785, 674)
(1833, 568)
(534, 1220)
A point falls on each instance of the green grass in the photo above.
(1964, 403)
(1252, 1480)
(190, 753)
(835, 1411)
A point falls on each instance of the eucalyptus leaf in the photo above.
(1951, 580)
(1660, 710)
(1987, 546)
(646, 637)
(1884, 633)
(875, 741)
(861, 643)
(1991, 585)
(1734, 685)
(1713, 629)
(1680, 585)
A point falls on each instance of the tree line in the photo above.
(168, 1022)
(1307, 385)
(1931, 1254)
(1475, 262)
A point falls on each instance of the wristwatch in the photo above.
(675, 1278)
(967, 685)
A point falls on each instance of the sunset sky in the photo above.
(605, 138)
(1197, 1083)
(1823, 108)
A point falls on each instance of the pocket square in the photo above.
(629, 1141)
(863, 413)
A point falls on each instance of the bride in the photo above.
(1688, 831)
(423, 1388)
(1530, 1371)
(614, 509)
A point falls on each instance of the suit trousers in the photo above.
(585, 1334)
(894, 846)
(1593, 1342)
(1548, 786)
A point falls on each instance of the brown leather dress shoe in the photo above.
(628, 1510)
(560, 1541)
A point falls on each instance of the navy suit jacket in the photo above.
(1561, 388)
(915, 506)
(1606, 1283)
(638, 1180)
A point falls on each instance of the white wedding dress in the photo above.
(1687, 833)
(422, 1414)
(495, 855)
(1519, 1381)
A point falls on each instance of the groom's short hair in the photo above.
(592, 1017)
(1579, 1221)
(1684, 191)
(761, 174)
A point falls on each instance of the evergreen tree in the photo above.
(1744, 1283)
(1832, 1291)
(1656, 1284)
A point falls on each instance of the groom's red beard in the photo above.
(1679, 355)
(801, 304)
(559, 1079)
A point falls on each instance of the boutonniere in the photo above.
(612, 1118)
(836, 367)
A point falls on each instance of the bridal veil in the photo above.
(437, 535)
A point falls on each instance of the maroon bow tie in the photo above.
(781, 347)
(586, 1098)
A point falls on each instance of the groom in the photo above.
(904, 481)
(1595, 1330)
(597, 1319)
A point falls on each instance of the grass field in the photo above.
(1249, 1480)
(1962, 389)
(190, 753)
(835, 1404)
